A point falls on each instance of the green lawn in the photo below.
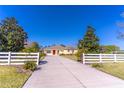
(13, 76)
(115, 69)
(73, 57)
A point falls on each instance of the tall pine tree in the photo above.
(90, 42)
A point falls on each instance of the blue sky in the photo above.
(67, 24)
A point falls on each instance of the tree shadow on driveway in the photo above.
(43, 62)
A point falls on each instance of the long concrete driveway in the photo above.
(60, 72)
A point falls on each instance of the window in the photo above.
(68, 50)
(48, 51)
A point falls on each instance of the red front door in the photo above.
(54, 52)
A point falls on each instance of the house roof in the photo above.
(59, 47)
(69, 47)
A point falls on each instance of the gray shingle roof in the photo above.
(59, 47)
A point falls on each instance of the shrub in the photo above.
(97, 65)
(62, 54)
(78, 55)
(42, 54)
(30, 66)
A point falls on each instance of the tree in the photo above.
(90, 42)
(12, 35)
(33, 47)
(3, 42)
(109, 48)
(62, 45)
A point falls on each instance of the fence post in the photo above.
(38, 58)
(115, 58)
(100, 58)
(83, 58)
(9, 58)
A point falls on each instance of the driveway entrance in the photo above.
(60, 72)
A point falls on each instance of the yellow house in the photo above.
(59, 49)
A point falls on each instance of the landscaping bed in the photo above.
(115, 69)
(13, 76)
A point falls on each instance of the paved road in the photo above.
(60, 72)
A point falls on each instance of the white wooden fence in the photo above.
(102, 58)
(17, 58)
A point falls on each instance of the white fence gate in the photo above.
(17, 58)
(102, 58)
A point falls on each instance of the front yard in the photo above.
(115, 69)
(73, 57)
(13, 76)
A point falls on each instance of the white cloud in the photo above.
(122, 14)
(120, 24)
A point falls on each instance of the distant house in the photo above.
(59, 49)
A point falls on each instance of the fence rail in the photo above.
(102, 58)
(17, 58)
